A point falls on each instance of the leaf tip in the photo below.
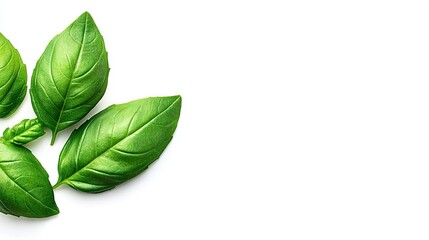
(176, 98)
(179, 99)
(85, 16)
(55, 210)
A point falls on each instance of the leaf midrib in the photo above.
(54, 133)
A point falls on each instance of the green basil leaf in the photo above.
(13, 78)
(25, 188)
(118, 143)
(25, 131)
(71, 75)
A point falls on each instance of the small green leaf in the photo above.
(71, 75)
(118, 143)
(25, 188)
(13, 78)
(25, 131)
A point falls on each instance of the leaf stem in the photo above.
(54, 135)
(57, 185)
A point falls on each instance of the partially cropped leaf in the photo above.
(118, 143)
(13, 78)
(71, 75)
(25, 131)
(25, 189)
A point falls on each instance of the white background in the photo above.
(300, 119)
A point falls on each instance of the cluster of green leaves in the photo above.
(110, 148)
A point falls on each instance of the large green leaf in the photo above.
(13, 78)
(118, 143)
(24, 186)
(71, 75)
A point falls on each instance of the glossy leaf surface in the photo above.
(71, 75)
(24, 186)
(25, 131)
(118, 143)
(13, 78)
